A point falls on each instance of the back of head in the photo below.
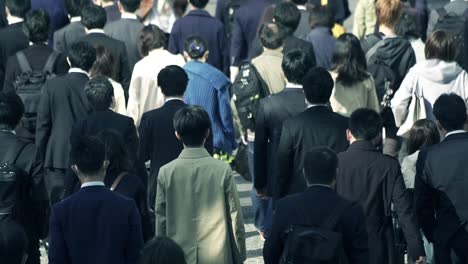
(300, 2)
(424, 133)
(162, 250)
(192, 124)
(173, 81)
(349, 60)
(149, 38)
(320, 165)
(388, 12)
(271, 36)
(116, 151)
(196, 47)
(130, 6)
(295, 65)
(87, 157)
(93, 17)
(82, 55)
(11, 110)
(18, 8)
(104, 64)
(408, 26)
(450, 112)
(365, 124)
(37, 26)
(74, 7)
(100, 93)
(318, 86)
(287, 16)
(13, 243)
(441, 46)
(200, 4)
(321, 17)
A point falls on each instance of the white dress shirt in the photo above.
(93, 183)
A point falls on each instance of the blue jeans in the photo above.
(260, 206)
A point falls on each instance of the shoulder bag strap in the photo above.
(49, 66)
(374, 49)
(23, 62)
(117, 181)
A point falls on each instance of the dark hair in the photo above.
(93, 17)
(149, 38)
(36, 26)
(162, 250)
(99, 92)
(199, 3)
(18, 8)
(74, 7)
(295, 65)
(450, 111)
(321, 16)
(424, 133)
(13, 242)
(271, 36)
(388, 12)
(192, 123)
(104, 64)
(173, 81)
(130, 5)
(116, 151)
(88, 154)
(320, 165)
(365, 124)
(440, 45)
(300, 2)
(11, 110)
(196, 47)
(287, 16)
(408, 26)
(318, 86)
(82, 55)
(349, 60)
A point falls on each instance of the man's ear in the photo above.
(186, 56)
(120, 7)
(7, 11)
(349, 136)
(206, 55)
(75, 169)
(178, 136)
(105, 165)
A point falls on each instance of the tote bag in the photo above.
(416, 111)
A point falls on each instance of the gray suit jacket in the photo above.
(457, 7)
(66, 36)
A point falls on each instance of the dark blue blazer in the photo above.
(97, 226)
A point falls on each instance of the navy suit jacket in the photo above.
(95, 225)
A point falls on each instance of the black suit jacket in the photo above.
(3, 19)
(66, 36)
(312, 207)
(315, 127)
(63, 102)
(12, 40)
(272, 112)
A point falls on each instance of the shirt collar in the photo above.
(293, 85)
(173, 99)
(455, 132)
(77, 70)
(14, 20)
(126, 15)
(8, 131)
(93, 183)
(75, 19)
(96, 30)
(314, 105)
(302, 7)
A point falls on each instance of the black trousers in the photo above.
(55, 184)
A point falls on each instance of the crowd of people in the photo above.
(122, 123)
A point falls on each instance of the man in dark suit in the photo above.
(316, 126)
(441, 184)
(17, 40)
(303, 28)
(127, 29)
(94, 19)
(64, 37)
(63, 102)
(374, 180)
(94, 225)
(317, 204)
(36, 207)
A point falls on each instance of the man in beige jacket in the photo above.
(197, 204)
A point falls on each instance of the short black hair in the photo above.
(195, 47)
(287, 16)
(199, 3)
(423, 133)
(320, 165)
(271, 36)
(74, 7)
(13, 242)
(440, 45)
(93, 17)
(88, 154)
(18, 8)
(365, 124)
(192, 123)
(99, 92)
(82, 55)
(149, 38)
(300, 2)
(318, 86)
(408, 26)
(116, 151)
(295, 65)
(130, 5)
(173, 81)
(321, 16)
(450, 111)
(11, 110)
(162, 250)
(36, 26)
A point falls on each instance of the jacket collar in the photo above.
(194, 153)
(318, 108)
(174, 102)
(199, 12)
(457, 136)
(362, 145)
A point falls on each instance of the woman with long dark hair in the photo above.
(354, 86)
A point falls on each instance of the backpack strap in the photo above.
(49, 65)
(23, 62)
(117, 181)
(14, 152)
(442, 12)
(374, 49)
(331, 221)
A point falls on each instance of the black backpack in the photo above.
(307, 244)
(247, 91)
(28, 85)
(458, 27)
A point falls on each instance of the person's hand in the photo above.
(244, 141)
(262, 194)
(421, 260)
